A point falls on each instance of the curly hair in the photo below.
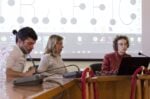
(117, 38)
(25, 33)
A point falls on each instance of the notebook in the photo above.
(129, 64)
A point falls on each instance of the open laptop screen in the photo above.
(129, 64)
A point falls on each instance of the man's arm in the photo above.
(12, 73)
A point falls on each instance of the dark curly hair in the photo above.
(117, 38)
(25, 33)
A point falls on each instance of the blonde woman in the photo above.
(51, 61)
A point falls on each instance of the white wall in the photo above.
(146, 27)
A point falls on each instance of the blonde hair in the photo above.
(50, 47)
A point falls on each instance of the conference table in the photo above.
(66, 89)
(145, 83)
(114, 87)
(108, 87)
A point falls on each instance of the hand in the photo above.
(30, 72)
(114, 71)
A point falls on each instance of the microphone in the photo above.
(140, 53)
(73, 74)
(30, 58)
(29, 81)
(38, 78)
(72, 65)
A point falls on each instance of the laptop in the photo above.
(129, 64)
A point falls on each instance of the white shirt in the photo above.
(16, 59)
(49, 63)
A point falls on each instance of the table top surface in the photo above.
(10, 91)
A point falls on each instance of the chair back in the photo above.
(96, 67)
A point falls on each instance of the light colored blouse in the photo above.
(51, 64)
